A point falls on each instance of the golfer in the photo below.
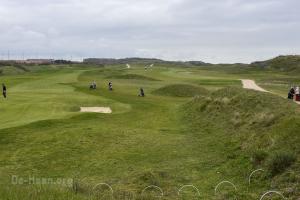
(110, 86)
(4, 90)
(142, 93)
(291, 93)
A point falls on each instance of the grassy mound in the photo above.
(181, 90)
(259, 123)
(242, 108)
(132, 76)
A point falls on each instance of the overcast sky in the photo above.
(208, 30)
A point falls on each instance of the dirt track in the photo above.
(250, 84)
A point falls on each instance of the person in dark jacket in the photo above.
(93, 85)
(142, 93)
(291, 93)
(110, 86)
(4, 90)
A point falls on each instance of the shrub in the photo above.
(18, 66)
(258, 156)
(280, 161)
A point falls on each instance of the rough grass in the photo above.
(280, 161)
(263, 124)
(181, 90)
(242, 108)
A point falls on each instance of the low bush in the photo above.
(258, 157)
(280, 161)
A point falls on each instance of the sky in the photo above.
(216, 31)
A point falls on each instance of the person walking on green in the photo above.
(4, 90)
(142, 93)
(110, 88)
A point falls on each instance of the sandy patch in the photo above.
(96, 109)
(250, 84)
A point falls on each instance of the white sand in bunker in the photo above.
(96, 109)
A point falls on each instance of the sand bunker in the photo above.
(96, 109)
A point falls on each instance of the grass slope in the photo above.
(181, 90)
(263, 129)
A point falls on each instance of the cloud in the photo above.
(213, 31)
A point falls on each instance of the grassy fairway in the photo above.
(168, 139)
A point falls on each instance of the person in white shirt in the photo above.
(297, 91)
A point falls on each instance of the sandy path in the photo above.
(250, 84)
(96, 109)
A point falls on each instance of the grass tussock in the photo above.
(280, 161)
(258, 157)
